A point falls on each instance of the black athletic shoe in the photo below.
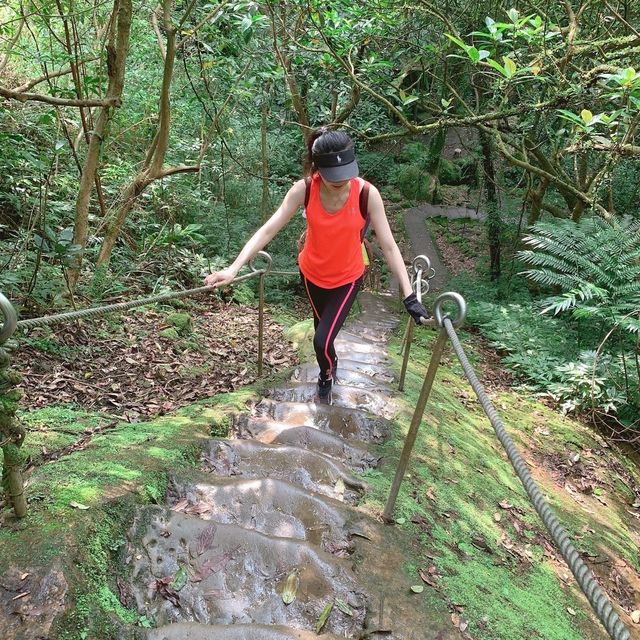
(323, 394)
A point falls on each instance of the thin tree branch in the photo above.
(60, 102)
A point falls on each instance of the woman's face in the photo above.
(335, 187)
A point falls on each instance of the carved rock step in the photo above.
(188, 631)
(354, 454)
(379, 403)
(359, 336)
(186, 570)
(358, 348)
(308, 469)
(360, 353)
(350, 373)
(270, 506)
(345, 422)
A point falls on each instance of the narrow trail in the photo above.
(423, 244)
(273, 514)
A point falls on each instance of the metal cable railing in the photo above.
(584, 576)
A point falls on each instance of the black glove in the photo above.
(415, 309)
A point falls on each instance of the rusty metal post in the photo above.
(406, 348)
(260, 322)
(11, 432)
(410, 440)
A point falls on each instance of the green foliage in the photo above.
(414, 153)
(377, 167)
(413, 182)
(594, 263)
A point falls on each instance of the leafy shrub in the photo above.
(414, 153)
(595, 264)
(449, 172)
(376, 167)
(412, 182)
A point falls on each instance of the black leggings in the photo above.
(330, 309)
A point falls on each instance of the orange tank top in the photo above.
(332, 252)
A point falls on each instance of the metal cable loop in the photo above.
(10, 319)
(597, 598)
(123, 306)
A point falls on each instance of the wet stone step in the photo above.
(351, 344)
(377, 403)
(345, 422)
(185, 569)
(270, 506)
(187, 631)
(359, 353)
(308, 469)
(353, 454)
(359, 336)
(348, 375)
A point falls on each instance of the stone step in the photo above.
(348, 423)
(270, 506)
(308, 469)
(359, 336)
(185, 569)
(354, 454)
(350, 373)
(377, 403)
(192, 631)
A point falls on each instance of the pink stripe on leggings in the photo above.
(335, 320)
(306, 286)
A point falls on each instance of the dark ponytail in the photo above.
(323, 140)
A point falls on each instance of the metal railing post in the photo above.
(406, 349)
(11, 432)
(410, 440)
(260, 322)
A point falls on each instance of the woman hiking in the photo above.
(331, 261)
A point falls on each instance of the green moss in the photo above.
(170, 334)
(180, 321)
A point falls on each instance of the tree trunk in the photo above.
(117, 51)
(152, 167)
(494, 220)
(265, 204)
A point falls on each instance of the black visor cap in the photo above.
(338, 166)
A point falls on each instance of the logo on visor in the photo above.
(339, 159)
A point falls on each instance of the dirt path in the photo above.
(421, 241)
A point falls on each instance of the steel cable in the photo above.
(597, 598)
(122, 306)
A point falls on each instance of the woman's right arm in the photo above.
(291, 203)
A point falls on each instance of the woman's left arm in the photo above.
(387, 242)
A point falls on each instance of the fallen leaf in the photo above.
(427, 579)
(344, 607)
(431, 494)
(340, 489)
(205, 539)
(505, 505)
(179, 580)
(635, 616)
(78, 505)
(323, 617)
(417, 588)
(291, 587)
(570, 611)
(497, 516)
